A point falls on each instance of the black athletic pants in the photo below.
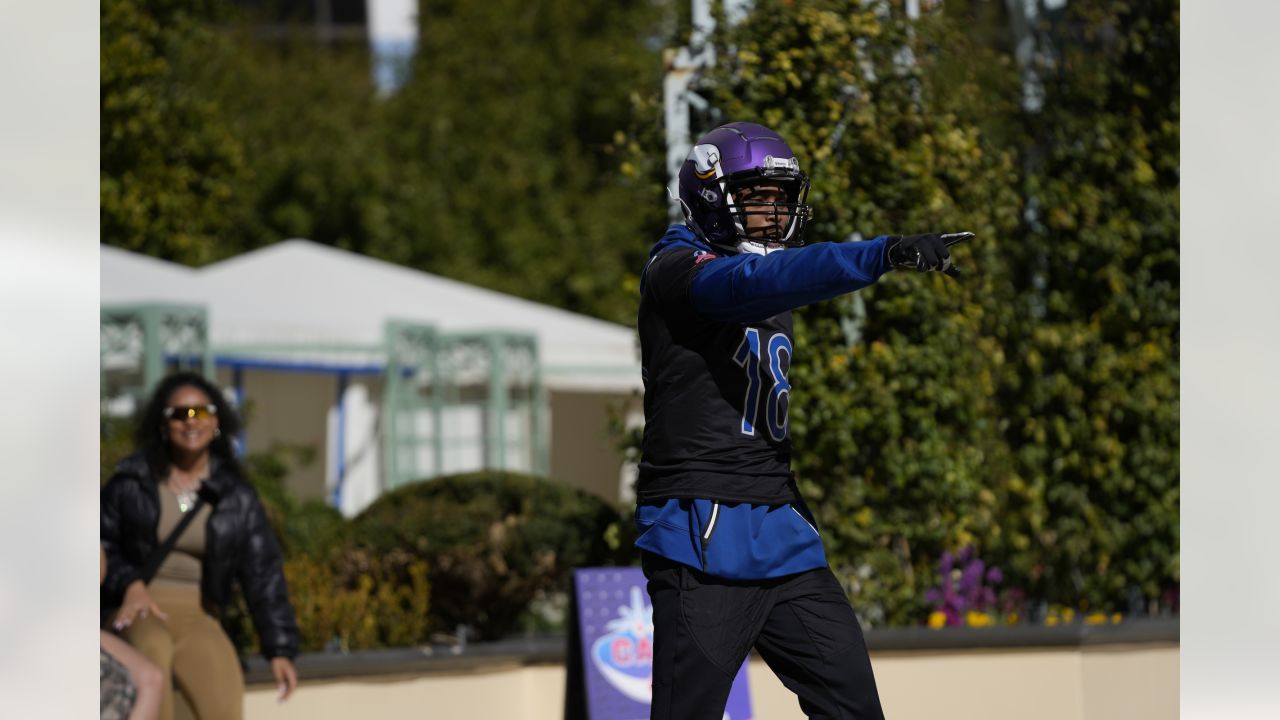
(802, 626)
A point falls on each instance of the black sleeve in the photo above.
(120, 572)
(669, 274)
(261, 576)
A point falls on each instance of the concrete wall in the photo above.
(1122, 682)
(1108, 682)
(510, 693)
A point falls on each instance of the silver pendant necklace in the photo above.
(186, 496)
(186, 499)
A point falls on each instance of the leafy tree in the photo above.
(170, 167)
(506, 169)
(314, 131)
(1094, 406)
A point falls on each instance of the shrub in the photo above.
(356, 602)
(494, 544)
(115, 442)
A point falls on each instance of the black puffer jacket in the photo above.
(239, 544)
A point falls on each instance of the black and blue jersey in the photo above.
(716, 348)
(716, 393)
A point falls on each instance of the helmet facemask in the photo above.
(768, 208)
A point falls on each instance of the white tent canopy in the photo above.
(301, 293)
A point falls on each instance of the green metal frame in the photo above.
(410, 365)
(426, 370)
(146, 336)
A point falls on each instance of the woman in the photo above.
(182, 450)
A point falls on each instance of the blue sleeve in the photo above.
(751, 288)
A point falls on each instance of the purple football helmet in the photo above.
(723, 163)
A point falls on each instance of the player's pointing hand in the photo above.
(925, 253)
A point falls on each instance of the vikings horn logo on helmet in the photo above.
(706, 161)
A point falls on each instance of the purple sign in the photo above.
(615, 622)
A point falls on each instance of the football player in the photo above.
(733, 557)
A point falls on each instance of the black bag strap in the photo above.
(203, 495)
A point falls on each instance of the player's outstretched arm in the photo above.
(751, 288)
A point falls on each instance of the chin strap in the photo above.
(758, 248)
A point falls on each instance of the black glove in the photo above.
(924, 252)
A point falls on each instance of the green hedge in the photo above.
(499, 546)
(489, 550)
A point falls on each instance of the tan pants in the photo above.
(191, 647)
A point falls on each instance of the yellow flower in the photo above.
(1097, 618)
(937, 619)
(1011, 618)
(977, 619)
(1068, 615)
(1051, 620)
(1115, 619)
